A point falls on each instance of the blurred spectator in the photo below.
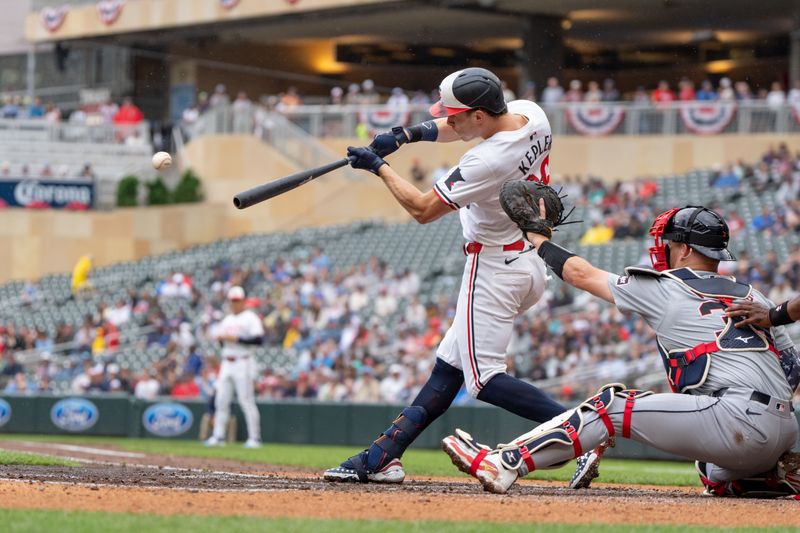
(776, 97)
(147, 387)
(337, 96)
(369, 96)
(398, 100)
(575, 93)
(794, 94)
(242, 114)
(662, 94)
(366, 388)
(220, 97)
(686, 90)
(593, 92)
(764, 221)
(36, 109)
(743, 92)
(353, 95)
(19, 385)
(610, 91)
(706, 92)
(80, 274)
(392, 385)
(726, 92)
(185, 387)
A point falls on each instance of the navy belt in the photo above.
(759, 397)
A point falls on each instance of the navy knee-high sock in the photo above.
(520, 398)
(431, 402)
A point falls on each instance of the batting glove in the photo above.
(364, 158)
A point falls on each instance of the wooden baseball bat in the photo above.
(281, 185)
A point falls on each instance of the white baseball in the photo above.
(162, 160)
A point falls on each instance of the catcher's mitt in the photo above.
(520, 201)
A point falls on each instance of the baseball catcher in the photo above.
(730, 406)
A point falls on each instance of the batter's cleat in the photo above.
(214, 441)
(353, 470)
(478, 461)
(252, 444)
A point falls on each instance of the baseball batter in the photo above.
(501, 278)
(239, 331)
(731, 403)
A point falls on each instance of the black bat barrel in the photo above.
(281, 185)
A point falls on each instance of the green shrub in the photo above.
(188, 189)
(157, 192)
(128, 191)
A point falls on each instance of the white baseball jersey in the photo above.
(507, 155)
(497, 283)
(244, 325)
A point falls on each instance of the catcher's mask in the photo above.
(702, 229)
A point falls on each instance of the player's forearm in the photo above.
(408, 196)
(573, 269)
(581, 274)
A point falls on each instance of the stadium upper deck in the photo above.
(316, 44)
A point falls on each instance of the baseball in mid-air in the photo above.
(162, 161)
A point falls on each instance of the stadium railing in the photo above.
(582, 118)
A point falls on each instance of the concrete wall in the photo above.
(611, 158)
(41, 242)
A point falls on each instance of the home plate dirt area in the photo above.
(113, 480)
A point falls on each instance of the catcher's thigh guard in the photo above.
(566, 428)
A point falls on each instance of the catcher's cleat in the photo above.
(587, 469)
(588, 466)
(789, 469)
(354, 470)
(478, 461)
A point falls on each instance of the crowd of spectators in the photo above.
(367, 333)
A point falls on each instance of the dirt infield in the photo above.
(116, 481)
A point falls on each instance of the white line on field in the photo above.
(86, 449)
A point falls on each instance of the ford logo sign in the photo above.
(5, 412)
(167, 419)
(74, 414)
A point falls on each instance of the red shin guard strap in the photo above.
(573, 436)
(526, 456)
(626, 417)
(603, 414)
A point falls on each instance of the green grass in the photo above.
(25, 458)
(416, 462)
(79, 522)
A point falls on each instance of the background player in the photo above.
(733, 413)
(501, 278)
(238, 331)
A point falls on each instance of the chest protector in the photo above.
(687, 368)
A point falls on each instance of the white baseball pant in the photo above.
(239, 375)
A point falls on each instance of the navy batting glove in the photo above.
(365, 159)
(387, 143)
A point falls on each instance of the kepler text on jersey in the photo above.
(542, 145)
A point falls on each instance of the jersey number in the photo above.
(544, 172)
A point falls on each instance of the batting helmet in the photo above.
(471, 88)
(701, 228)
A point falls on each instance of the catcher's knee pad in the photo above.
(563, 429)
(394, 441)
